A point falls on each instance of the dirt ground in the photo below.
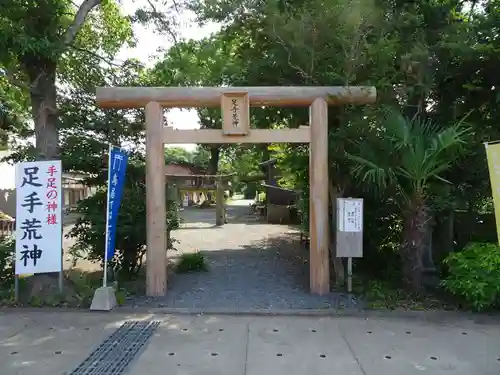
(251, 265)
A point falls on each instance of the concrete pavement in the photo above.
(54, 343)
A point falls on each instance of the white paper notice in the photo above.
(351, 215)
(38, 217)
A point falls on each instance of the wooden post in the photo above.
(156, 256)
(319, 220)
(219, 201)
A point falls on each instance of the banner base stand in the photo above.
(104, 299)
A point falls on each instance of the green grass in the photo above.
(193, 262)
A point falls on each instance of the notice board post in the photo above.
(349, 242)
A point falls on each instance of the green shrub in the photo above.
(262, 197)
(191, 262)
(130, 244)
(7, 253)
(387, 296)
(4, 216)
(474, 275)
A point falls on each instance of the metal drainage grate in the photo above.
(116, 352)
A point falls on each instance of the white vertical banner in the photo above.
(39, 217)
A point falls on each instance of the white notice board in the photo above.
(38, 217)
(349, 228)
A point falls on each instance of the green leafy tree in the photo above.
(38, 37)
(178, 155)
(201, 157)
(14, 113)
(44, 46)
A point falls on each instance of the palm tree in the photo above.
(406, 157)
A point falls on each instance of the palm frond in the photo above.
(373, 176)
(398, 128)
(442, 179)
(408, 153)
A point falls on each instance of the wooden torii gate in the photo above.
(235, 103)
(220, 184)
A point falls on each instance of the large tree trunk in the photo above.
(44, 110)
(414, 234)
(213, 166)
(444, 234)
(213, 163)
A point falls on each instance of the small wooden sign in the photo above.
(235, 113)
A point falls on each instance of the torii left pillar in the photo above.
(156, 252)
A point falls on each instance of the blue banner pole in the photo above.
(105, 278)
(118, 159)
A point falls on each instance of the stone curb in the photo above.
(429, 316)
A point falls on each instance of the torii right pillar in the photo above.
(319, 257)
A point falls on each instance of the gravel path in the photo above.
(68, 261)
(252, 265)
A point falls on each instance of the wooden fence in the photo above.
(7, 227)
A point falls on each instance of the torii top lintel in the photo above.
(189, 97)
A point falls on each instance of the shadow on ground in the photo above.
(238, 212)
(195, 217)
(269, 273)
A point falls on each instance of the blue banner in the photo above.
(116, 179)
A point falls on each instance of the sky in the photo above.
(148, 42)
